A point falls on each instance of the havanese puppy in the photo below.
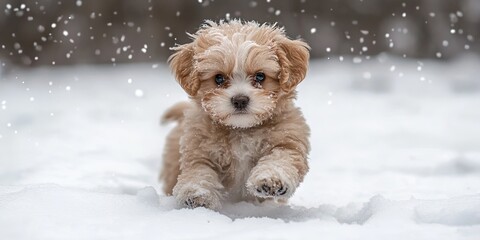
(240, 138)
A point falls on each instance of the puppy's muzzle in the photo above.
(240, 102)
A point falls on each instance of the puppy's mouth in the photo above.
(240, 112)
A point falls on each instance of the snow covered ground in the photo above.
(395, 155)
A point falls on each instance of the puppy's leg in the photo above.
(171, 155)
(171, 161)
(278, 174)
(198, 186)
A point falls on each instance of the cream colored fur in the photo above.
(217, 153)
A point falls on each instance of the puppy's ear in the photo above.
(181, 63)
(293, 59)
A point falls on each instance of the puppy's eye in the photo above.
(259, 77)
(219, 79)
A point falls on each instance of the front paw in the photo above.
(197, 196)
(271, 187)
(197, 201)
(264, 186)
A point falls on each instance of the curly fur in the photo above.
(217, 153)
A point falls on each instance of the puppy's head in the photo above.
(240, 72)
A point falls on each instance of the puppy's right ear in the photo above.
(181, 63)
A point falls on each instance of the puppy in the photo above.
(241, 137)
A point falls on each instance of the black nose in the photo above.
(240, 102)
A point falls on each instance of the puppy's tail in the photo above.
(175, 113)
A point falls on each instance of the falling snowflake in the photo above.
(139, 93)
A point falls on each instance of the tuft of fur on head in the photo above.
(238, 50)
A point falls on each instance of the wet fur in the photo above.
(213, 154)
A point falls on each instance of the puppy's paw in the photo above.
(199, 201)
(196, 196)
(270, 186)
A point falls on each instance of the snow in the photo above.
(393, 157)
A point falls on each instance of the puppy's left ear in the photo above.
(293, 58)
